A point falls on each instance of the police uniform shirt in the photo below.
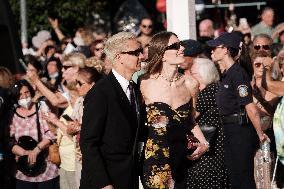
(234, 91)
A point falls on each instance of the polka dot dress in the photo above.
(209, 171)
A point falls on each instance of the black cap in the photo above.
(227, 39)
(192, 47)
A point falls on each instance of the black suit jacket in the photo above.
(108, 136)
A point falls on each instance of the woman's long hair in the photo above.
(156, 50)
(59, 70)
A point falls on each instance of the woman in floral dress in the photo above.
(168, 96)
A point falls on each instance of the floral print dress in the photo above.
(157, 166)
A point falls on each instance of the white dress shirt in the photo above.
(124, 83)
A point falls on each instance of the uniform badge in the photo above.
(243, 90)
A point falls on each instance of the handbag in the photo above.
(53, 154)
(210, 133)
(263, 168)
(23, 165)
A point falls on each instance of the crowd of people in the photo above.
(121, 111)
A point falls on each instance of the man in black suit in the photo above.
(111, 120)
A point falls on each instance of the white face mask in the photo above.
(54, 76)
(25, 102)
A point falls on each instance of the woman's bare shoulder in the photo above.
(148, 80)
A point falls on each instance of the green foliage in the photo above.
(71, 14)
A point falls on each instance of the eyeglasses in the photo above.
(258, 47)
(80, 83)
(174, 46)
(66, 67)
(147, 26)
(136, 52)
(257, 64)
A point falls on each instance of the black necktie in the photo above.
(132, 96)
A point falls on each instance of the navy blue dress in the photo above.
(209, 170)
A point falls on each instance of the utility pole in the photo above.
(24, 34)
(181, 18)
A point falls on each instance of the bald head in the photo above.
(206, 28)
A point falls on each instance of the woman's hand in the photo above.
(24, 153)
(73, 127)
(32, 76)
(53, 22)
(263, 137)
(200, 150)
(32, 155)
(170, 182)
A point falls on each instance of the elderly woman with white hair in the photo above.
(209, 170)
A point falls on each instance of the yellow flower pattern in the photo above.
(161, 131)
(151, 148)
(156, 169)
(166, 152)
(159, 177)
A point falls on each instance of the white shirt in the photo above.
(124, 83)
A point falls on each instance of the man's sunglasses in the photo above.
(174, 46)
(258, 47)
(136, 52)
(147, 26)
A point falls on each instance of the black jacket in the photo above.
(108, 137)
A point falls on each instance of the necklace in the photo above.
(171, 80)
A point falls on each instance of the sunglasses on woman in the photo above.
(147, 26)
(79, 83)
(258, 47)
(66, 67)
(174, 46)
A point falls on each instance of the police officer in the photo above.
(234, 100)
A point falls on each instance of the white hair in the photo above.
(116, 44)
(75, 59)
(207, 70)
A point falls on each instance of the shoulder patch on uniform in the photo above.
(243, 90)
